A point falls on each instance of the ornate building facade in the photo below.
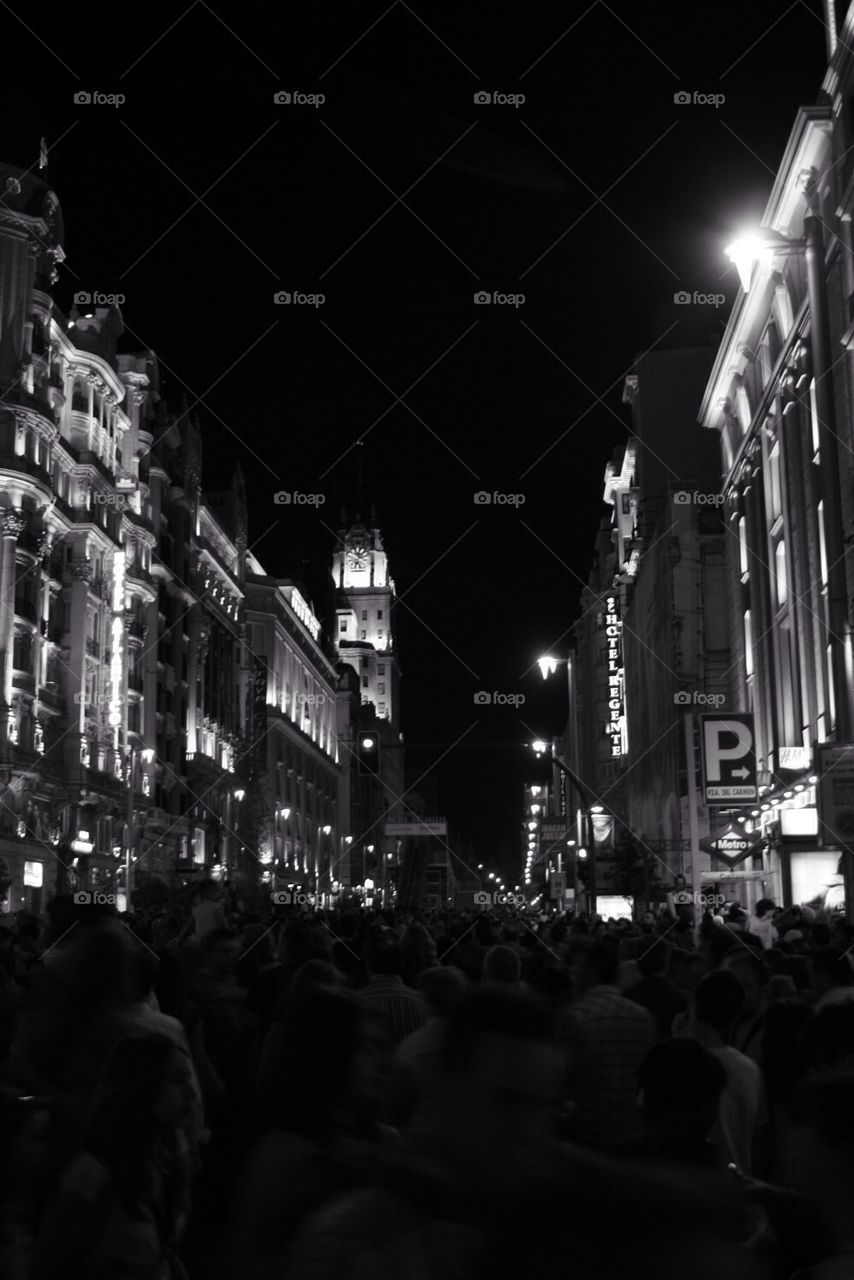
(168, 709)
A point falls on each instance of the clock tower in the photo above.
(364, 616)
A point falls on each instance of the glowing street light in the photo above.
(547, 665)
(759, 246)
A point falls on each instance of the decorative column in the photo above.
(81, 574)
(12, 523)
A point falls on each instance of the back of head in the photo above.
(443, 989)
(652, 961)
(382, 955)
(719, 1000)
(502, 964)
(488, 1012)
(601, 957)
(679, 1075)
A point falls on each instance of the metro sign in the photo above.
(729, 758)
(731, 846)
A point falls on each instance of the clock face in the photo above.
(358, 557)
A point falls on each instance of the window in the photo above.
(381, 709)
(748, 645)
(379, 615)
(381, 689)
(33, 875)
(22, 656)
(364, 615)
(364, 634)
(343, 624)
(365, 681)
(773, 485)
(782, 574)
(381, 669)
(742, 546)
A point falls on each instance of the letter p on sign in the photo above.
(729, 758)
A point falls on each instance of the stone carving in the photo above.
(12, 522)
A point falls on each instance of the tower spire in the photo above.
(360, 477)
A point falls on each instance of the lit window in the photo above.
(33, 875)
(742, 546)
(748, 645)
(781, 571)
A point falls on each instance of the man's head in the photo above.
(502, 964)
(681, 1084)
(719, 1001)
(382, 955)
(219, 951)
(765, 907)
(443, 989)
(753, 974)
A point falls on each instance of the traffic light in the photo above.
(368, 753)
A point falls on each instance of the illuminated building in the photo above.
(367, 658)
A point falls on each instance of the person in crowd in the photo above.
(831, 977)
(470, 954)
(207, 915)
(761, 923)
(605, 1039)
(681, 1084)
(825, 1174)
(442, 989)
(751, 969)
(742, 1118)
(123, 1200)
(417, 952)
(321, 1133)
(828, 1039)
(655, 992)
(268, 990)
(502, 964)
(402, 1007)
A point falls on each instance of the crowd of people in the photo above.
(444, 1095)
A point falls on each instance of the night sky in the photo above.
(597, 199)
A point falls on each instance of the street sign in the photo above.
(557, 886)
(835, 768)
(554, 830)
(731, 846)
(729, 758)
(712, 877)
(429, 827)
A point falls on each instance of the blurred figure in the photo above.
(753, 973)
(207, 915)
(718, 1001)
(502, 964)
(321, 1100)
(825, 1173)
(831, 978)
(402, 1008)
(480, 1137)
(605, 1039)
(417, 953)
(123, 1201)
(761, 923)
(681, 1086)
(654, 992)
(443, 990)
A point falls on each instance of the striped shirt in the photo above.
(401, 1006)
(607, 1038)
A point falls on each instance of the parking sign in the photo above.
(729, 758)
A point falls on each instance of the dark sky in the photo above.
(500, 197)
